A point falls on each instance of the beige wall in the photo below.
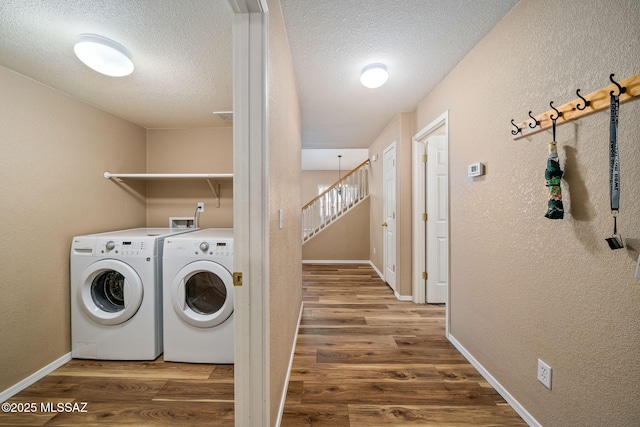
(285, 249)
(54, 152)
(399, 130)
(351, 230)
(311, 179)
(524, 287)
(199, 150)
(347, 238)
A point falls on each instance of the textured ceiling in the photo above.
(182, 51)
(327, 158)
(420, 41)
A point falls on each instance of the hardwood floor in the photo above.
(363, 358)
(136, 394)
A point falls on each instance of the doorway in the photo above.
(430, 275)
(389, 214)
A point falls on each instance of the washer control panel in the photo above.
(124, 247)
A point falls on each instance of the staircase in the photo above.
(335, 201)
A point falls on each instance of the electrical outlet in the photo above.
(544, 374)
(200, 206)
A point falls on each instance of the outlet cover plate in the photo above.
(544, 374)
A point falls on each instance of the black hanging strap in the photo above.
(615, 241)
(614, 155)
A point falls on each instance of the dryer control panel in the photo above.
(125, 247)
(214, 247)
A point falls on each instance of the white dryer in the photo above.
(116, 294)
(198, 297)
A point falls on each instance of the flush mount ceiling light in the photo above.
(374, 75)
(103, 55)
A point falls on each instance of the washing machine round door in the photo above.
(202, 294)
(110, 292)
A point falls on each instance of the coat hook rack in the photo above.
(628, 89)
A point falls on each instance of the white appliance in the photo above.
(116, 294)
(198, 297)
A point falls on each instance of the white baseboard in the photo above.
(376, 270)
(402, 297)
(526, 416)
(283, 399)
(33, 378)
(397, 295)
(335, 261)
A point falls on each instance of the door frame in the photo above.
(419, 225)
(385, 254)
(252, 406)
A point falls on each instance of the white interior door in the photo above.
(438, 219)
(389, 224)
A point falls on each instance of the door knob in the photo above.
(384, 224)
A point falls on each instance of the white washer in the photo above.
(198, 297)
(116, 294)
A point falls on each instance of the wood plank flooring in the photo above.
(365, 359)
(136, 394)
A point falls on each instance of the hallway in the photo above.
(363, 358)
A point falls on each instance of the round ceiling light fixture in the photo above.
(374, 75)
(103, 55)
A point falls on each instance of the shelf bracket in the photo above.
(216, 191)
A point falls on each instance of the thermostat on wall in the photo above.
(476, 169)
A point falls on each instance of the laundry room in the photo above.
(67, 146)
(58, 141)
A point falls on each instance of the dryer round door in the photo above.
(110, 292)
(202, 294)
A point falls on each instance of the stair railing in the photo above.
(335, 201)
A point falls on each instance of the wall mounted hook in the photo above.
(516, 130)
(620, 88)
(553, 119)
(536, 122)
(586, 102)
(559, 113)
